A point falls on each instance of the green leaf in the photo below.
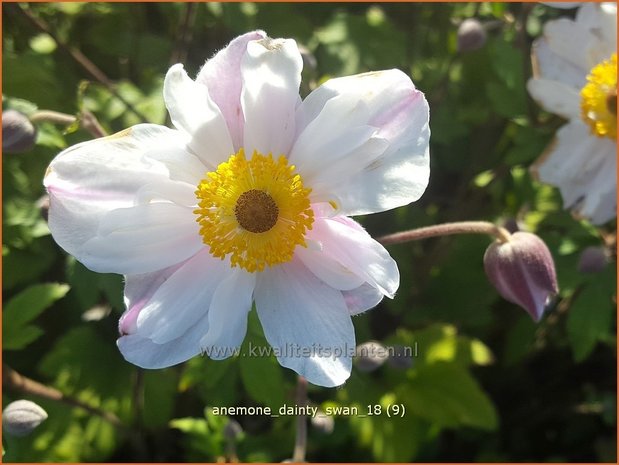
(449, 396)
(260, 373)
(25, 307)
(159, 397)
(591, 314)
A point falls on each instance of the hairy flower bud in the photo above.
(21, 417)
(523, 272)
(471, 35)
(371, 355)
(18, 133)
(592, 260)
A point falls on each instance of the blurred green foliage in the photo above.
(485, 383)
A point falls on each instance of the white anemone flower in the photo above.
(247, 201)
(575, 76)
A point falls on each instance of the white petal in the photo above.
(549, 65)
(271, 73)
(222, 75)
(89, 180)
(144, 353)
(193, 111)
(141, 239)
(368, 171)
(327, 269)
(182, 299)
(601, 20)
(307, 323)
(139, 289)
(228, 314)
(361, 299)
(583, 166)
(346, 242)
(575, 43)
(555, 97)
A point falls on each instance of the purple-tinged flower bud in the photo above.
(371, 355)
(18, 133)
(592, 260)
(523, 272)
(21, 417)
(471, 35)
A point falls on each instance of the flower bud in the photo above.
(43, 205)
(232, 429)
(523, 272)
(592, 260)
(400, 357)
(18, 133)
(323, 423)
(21, 417)
(471, 35)
(371, 355)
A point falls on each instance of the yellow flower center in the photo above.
(598, 102)
(257, 211)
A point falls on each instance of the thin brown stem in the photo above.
(447, 229)
(86, 119)
(300, 442)
(17, 382)
(81, 59)
(184, 33)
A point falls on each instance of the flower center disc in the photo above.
(254, 211)
(598, 102)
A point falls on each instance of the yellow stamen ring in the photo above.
(598, 102)
(256, 211)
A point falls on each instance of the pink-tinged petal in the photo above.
(307, 323)
(181, 300)
(345, 241)
(145, 353)
(141, 239)
(139, 289)
(222, 76)
(271, 74)
(523, 272)
(326, 268)
(584, 168)
(89, 180)
(193, 111)
(367, 170)
(227, 314)
(362, 299)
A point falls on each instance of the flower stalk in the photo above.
(300, 443)
(447, 229)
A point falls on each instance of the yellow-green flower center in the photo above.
(598, 102)
(257, 211)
